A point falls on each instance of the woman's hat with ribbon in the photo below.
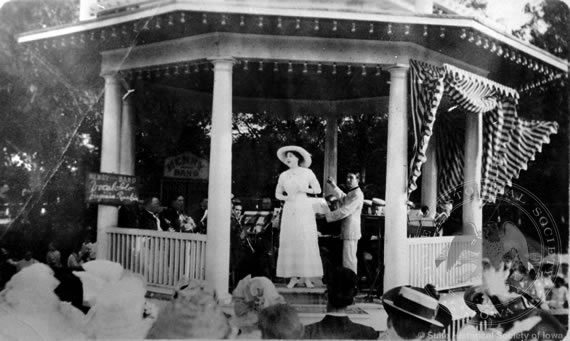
(415, 302)
(305, 162)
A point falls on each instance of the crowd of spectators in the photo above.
(82, 298)
(36, 302)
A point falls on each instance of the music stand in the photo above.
(256, 221)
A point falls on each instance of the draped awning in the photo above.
(509, 142)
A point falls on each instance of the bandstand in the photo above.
(326, 58)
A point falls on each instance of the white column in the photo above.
(472, 204)
(107, 216)
(85, 9)
(220, 180)
(429, 179)
(127, 158)
(331, 151)
(396, 263)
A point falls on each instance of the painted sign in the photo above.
(186, 166)
(110, 189)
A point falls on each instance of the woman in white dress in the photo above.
(298, 241)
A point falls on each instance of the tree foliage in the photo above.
(477, 5)
(547, 176)
(548, 26)
(48, 135)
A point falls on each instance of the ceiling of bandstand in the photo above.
(278, 80)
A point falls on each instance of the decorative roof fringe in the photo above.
(501, 89)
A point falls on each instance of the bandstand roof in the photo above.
(331, 51)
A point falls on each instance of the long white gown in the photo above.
(298, 240)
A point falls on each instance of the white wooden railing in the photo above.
(163, 258)
(446, 262)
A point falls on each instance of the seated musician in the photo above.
(176, 217)
(378, 206)
(332, 228)
(200, 216)
(238, 237)
(252, 242)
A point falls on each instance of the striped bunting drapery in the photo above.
(509, 142)
(449, 133)
(473, 95)
(518, 143)
(426, 92)
(493, 143)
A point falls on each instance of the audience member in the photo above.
(32, 311)
(26, 261)
(508, 315)
(74, 260)
(341, 290)
(70, 288)
(251, 296)
(194, 313)
(88, 250)
(559, 298)
(414, 313)
(535, 289)
(7, 267)
(120, 311)
(53, 256)
(280, 321)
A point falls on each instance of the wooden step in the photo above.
(303, 295)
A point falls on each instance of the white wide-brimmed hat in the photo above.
(378, 202)
(119, 311)
(306, 162)
(414, 302)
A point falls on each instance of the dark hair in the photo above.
(280, 321)
(297, 154)
(341, 288)
(175, 197)
(559, 281)
(357, 174)
(147, 200)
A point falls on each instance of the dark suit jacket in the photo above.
(339, 327)
(148, 222)
(171, 217)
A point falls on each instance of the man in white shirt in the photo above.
(349, 211)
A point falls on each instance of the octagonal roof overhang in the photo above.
(464, 41)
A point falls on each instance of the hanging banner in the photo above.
(186, 166)
(110, 189)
